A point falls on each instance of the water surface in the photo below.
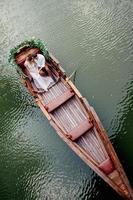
(96, 38)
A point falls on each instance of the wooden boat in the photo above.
(75, 121)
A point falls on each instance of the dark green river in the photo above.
(96, 38)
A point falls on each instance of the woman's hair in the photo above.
(30, 57)
(34, 55)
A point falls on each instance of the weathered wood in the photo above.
(29, 86)
(20, 58)
(69, 114)
(59, 100)
(70, 83)
(54, 59)
(90, 144)
(80, 130)
(61, 132)
(39, 103)
(101, 143)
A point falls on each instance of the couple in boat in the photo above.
(39, 71)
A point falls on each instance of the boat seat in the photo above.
(80, 130)
(107, 166)
(59, 100)
(20, 58)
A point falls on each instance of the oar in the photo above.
(71, 75)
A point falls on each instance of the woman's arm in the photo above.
(28, 74)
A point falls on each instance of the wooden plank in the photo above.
(115, 176)
(20, 58)
(63, 134)
(70, 83)
(80, 108)
(29, 86)
(101, 144)
(95, 145)
(43, 109)
(59, 100)
(69, 115)
(57, 64)
(79, 130)
(40, 104)
(86, 142)
(54, 59)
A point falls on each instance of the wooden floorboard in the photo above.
(69, 114)
(54, 91)
(90, 143)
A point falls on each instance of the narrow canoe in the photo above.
(76, 122)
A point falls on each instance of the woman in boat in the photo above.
(41, 63)
(39, 76)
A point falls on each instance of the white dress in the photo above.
(42, 82)
(40, 60)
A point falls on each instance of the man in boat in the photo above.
(44, 68)
(41, 80)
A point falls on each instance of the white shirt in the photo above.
(40, 60)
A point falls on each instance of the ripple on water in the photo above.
(97, 37)
(13, 103)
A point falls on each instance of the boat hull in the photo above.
(77, 123)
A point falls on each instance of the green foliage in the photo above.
(27, 43)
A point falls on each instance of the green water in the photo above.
(95, 37)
